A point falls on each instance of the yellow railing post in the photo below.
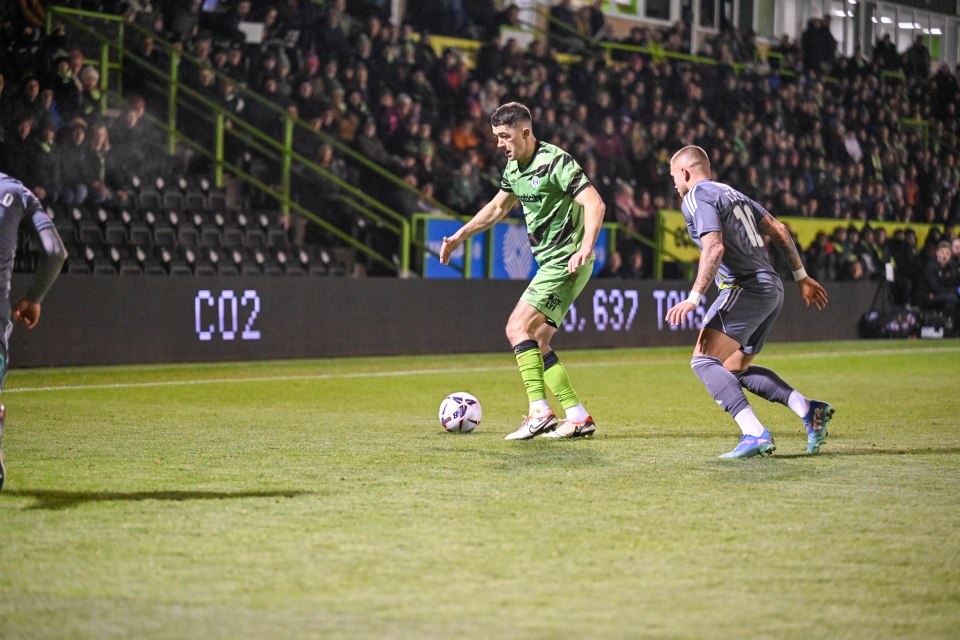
(172, 103)
(286, 164)
(219, 128)
(104, 75)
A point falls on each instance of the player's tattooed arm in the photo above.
(710, 257)
(780, 237)
(812, 291)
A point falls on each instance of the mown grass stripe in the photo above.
(447, 370)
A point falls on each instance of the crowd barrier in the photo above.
(139, 319)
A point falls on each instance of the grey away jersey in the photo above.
(714, 206)
(18, 204)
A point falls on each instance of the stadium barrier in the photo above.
(89, 320)
(676, 244)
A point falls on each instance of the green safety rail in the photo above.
(615, 231)
(111, 33)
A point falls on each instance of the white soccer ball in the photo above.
(460, 413)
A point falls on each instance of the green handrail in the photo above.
(283, 149)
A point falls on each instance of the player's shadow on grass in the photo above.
(872, 451)
(59, 500)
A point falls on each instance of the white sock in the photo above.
(539, 407)
(799, 404)
(577, 413)
(749, 423)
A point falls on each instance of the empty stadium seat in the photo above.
(164, 236)
(188, 237)
(115, 233)
(172, 199)
(211, 236)
(140, 235)
(89, 232)
(130, 267)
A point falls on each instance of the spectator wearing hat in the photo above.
(77, 165)
(219, 58)
(238, 65)
(66, 91)
(90, 94)
(311, 72)
(27, 99)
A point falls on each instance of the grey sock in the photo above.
(765, 383)
(722, 385)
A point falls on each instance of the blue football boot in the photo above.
(816, 421)
(750, 446)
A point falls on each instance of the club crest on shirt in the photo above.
(535, 182)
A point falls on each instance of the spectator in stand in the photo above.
(15, 149)
(106, 178)
(885, 54)
(331, 43)
(44, 163)
(65, 88)
(183, 18)
(137, 148)
(320, 193)
(310, 72)
(136, 79)
(89, 92)
(613, 267)
(77, 165)
(27, 100)
(635, 268)
(936, 289)
(462, 190)
(626, 213)
(820, 258)
(916, 61)
(238, 65)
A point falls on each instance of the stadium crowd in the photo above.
(807, 131)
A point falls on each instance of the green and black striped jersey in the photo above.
(546, 187)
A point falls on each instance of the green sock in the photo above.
(530, 363)
(555, 375)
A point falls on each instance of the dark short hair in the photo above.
(510, 115)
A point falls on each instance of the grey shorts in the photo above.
(746, 315)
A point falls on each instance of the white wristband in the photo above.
(694, 298)
(799, 274)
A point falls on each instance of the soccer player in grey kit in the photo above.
(19, 205)
(728, 228)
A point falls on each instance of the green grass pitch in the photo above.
(321, 499)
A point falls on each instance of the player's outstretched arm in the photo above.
(489, 215)
(811, 290)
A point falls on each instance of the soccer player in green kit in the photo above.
(563, 213)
